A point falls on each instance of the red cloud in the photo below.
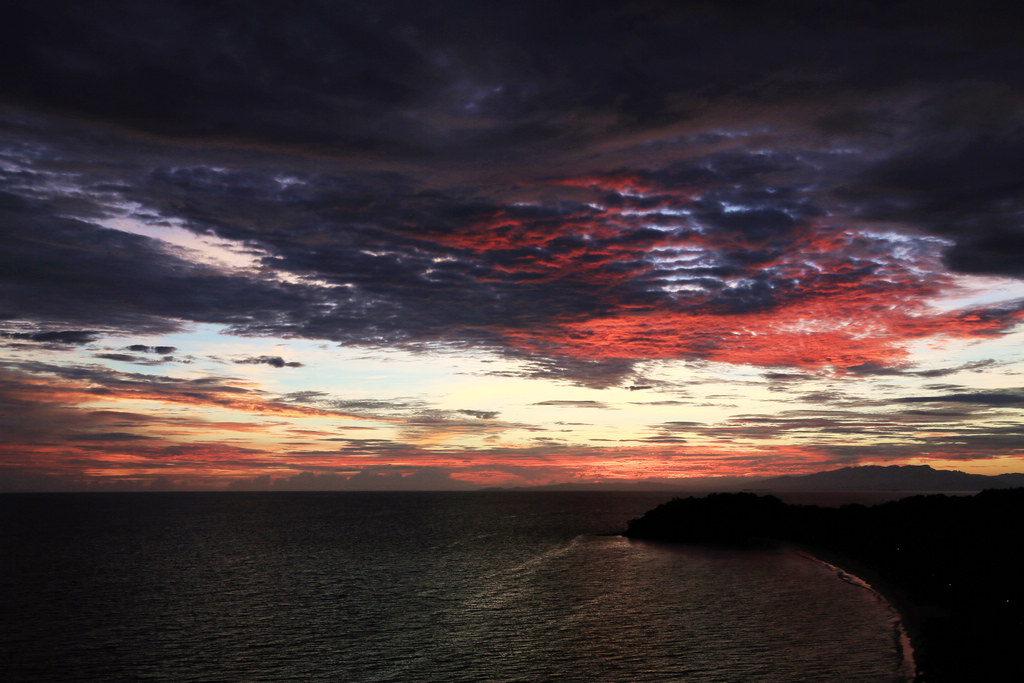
(836, 331)
(810, 295)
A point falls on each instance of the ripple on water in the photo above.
(398, 587)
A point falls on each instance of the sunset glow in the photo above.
(416, 267)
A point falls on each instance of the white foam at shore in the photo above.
(908, 666)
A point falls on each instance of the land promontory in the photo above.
(952, 565)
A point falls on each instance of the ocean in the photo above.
(467, 586)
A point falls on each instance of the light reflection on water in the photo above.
(398, 587)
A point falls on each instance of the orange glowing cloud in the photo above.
(839, 331)
(814, 296)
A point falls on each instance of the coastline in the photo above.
(905, 632)
(949, 565)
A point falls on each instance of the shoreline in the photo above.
(947, 565)
(904, 632)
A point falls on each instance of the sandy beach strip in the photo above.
(902, 624)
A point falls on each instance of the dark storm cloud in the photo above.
(407, 78)
(196, 70)
(958, 175)
(372, 276)
(54, 268)
(401, 174)
(64, 269)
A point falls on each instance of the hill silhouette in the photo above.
(893, 478)
(951, 564)
(854, 479)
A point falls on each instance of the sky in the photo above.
(408, 245)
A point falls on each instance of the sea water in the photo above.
(475, 586)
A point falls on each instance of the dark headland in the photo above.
(952, 565)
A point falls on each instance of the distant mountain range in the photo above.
(864, 478)
(672, 485)
(890, 478)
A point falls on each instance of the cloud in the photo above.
(721, 256)
(788, 376)
(80, 383)
(120, 357)
(870, 369)
(956, 176)
(68, 337)
(575, 192)
(572, 404)
(408, 81)
(480, 414)
(108, 437)
(987, 398)
(122, 280)
(161, 350)
(273, 361)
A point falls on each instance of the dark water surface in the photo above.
(496, 586)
